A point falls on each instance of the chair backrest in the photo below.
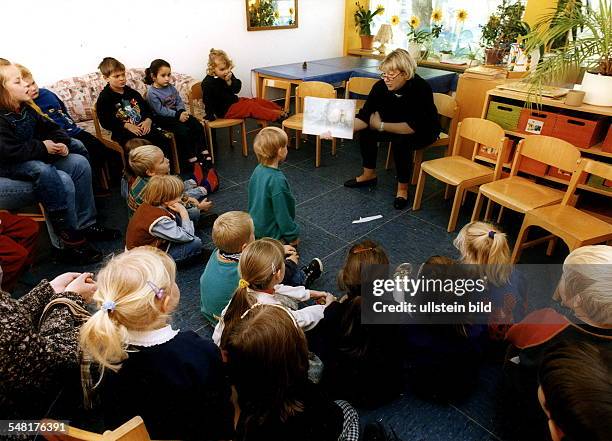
(446, 105)
(359, 86)
(96, 121)
(481, 132)
(278, 84)
(551, 151)
(133, 430)
(195, 93)
(599, 169)
(312, 88)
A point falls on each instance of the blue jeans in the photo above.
(183, 251)
(294, 276)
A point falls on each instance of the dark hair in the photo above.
(367, 252)
(268, 364)
(109, 65)
(576, 378)
(153, 69)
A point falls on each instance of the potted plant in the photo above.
(502, 29)
(418, 39)
(363, 20)
(591, 49)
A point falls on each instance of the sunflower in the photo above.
(395, 20)
(381, 7)
(414, 22)
(436, 15)
(462, 15)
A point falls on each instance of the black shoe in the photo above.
(71, 238)
(83, 255)
(312, 271)
(353, 183)
(207, 220)
(97, 232)
(400, 203)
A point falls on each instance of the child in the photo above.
(163, 222)
(18, 237)
(34, 149)
(122, 110)
(575, 391)
(219, 89)
(262, 267)
(173, 379)
(351, 351)
(231, 233)
(268, 366)
(147, 161)
(483, 244)
(169, 113)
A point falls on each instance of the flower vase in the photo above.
(367, 42)
(414, 49)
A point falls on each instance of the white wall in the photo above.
(62, 38)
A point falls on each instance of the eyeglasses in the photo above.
(388, 77)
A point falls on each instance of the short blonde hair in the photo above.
(108, 65)
(141, 159)
(25, 72)
(399, 59)
(161, 189)
(267, 144)
(482, 243)
(127, 281)
(232, 230)
(587, 278)
(215, 54)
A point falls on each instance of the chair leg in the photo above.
(416, 167)
(318, 151)
(231, 136)
(245, 146)
(333, 146)
(447, 191)
(210, 143)
(452, 222)
(477, 207)
(418, 194)
(298, 136)
(501, 214)
(488, 210)
(551, 246)
(520, 239)
(388, 157)
(175, 158)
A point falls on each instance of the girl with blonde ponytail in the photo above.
(485, 245)
(173, 379)
(262, 268)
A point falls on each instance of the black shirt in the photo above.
(413, 104)
(218, 96)
(115, 109)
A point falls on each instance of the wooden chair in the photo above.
(359, 86)
(315, 89)
(35, 216)
(521, 194)
(574, 226)
(274, 84)
(113, 145)
(461, 172)
(447, 109)
(196, 94)
(133, 430)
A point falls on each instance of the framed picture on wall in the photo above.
(266, 15)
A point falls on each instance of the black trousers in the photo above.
(400, 144)
(190, 136)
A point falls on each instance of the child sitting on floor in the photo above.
(262, 268)
(169, 113)
(231, 233)
(173, 379)
(219, 89)
(147, 161)
(163, 222)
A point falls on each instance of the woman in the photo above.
(39, 343)
(400, 109)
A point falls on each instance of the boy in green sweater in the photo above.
(271, 204)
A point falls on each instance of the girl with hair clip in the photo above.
(268, 365)
(169, 112)
(351, 351)
(220, 88)
(173, 379)
(262, 268)
(485, 245)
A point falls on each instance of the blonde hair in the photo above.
(259, 262)
(268, 142)
(25, 72)
(587, 278)
(484, 244)
(141, 159)
(161, 189)
(127, 283)
(399, 59)
(215, 54)
(109, 65)
(6, 100)
(232, 230)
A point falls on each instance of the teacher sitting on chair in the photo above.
(400, 108)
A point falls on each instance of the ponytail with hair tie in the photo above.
(492, 234)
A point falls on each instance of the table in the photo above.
(340, 69)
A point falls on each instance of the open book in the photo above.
(322, 115)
